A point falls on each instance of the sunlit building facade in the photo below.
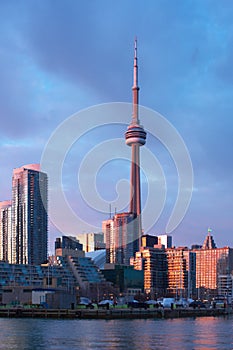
(5, 231)
(29, 215)
(153, 262)
(121, 241)
(181, 264)
(212, 264)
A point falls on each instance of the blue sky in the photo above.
(59, 57)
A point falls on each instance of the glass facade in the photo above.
(29, 216)
(153, 262)
(121, 241)
(212, 263)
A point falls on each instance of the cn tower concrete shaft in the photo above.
(135, 137)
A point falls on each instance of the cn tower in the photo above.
(135, 137)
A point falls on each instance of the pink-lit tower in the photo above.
(135, 137)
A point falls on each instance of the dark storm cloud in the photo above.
(60, 56)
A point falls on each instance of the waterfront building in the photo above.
(18, 281)
(225, 286)
(29, 215)
(181, 269)
(212, 264)
(125, 279)
(123, 232)
(75, 274)
(5, 231)
(36, 276)
(90, 279)
(153, 262)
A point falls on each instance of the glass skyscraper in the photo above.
(29, 215)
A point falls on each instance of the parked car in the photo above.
(86, 302)
(197, 304)
(138, 305)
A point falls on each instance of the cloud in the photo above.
(59, 57)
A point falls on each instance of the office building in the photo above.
(121, 243)
(29, 215)
(153, 262)
(213, 267)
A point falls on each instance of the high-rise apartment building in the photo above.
(181, 264)
(29, 215)
(5, 231)
(123, 232)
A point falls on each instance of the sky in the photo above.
(58, 58)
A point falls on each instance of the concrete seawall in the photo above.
(112, 313)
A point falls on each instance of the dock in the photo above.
(116, 313)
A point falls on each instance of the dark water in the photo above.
(200, 333)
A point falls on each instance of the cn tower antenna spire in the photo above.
(135, 80)
(135, 88)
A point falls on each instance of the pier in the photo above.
(110, 314)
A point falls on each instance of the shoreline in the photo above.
(111, 314)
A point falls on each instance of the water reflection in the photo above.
(176, 334)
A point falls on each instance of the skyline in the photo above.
(58, 60)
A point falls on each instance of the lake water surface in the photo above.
(199, 333)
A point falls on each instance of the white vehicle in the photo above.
(182, 303)
(167, 302)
